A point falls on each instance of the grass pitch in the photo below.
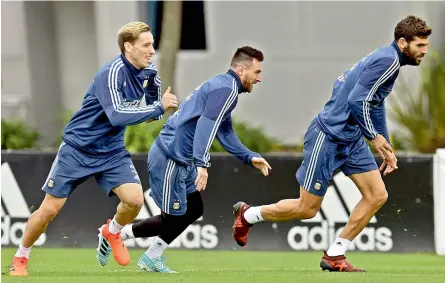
(80, 265)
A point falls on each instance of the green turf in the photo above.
(79, 265)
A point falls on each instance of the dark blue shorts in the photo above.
(71, 168)
(170, 182)
(323, 156)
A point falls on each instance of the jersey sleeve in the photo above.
(378, 118)
(232, 144)
(110, 94)
(363, 102)
(153, 93)
(217, 104)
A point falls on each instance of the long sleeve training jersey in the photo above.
(357, 105)
(206, 113)
(119, 95)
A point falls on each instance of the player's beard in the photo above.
(411, 56)
(249, 87)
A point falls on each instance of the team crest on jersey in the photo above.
(145, 83)
(176, 205)
(51, 183)
(317, 186)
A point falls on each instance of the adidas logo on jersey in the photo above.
(195, 236)
(14, 210)
(319, 232)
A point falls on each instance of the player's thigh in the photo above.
(167, 182)
(118, 176)
(319, 161)
(51, 206)
(157, 167)
(174, 191)
(309, 202)
(66, 173)
(192, 174)
(361, 167)
(359, 160)
(371, 186)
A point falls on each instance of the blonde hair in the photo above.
(130, 32)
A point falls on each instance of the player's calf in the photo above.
(289, 209)
(35, 227)
(110, 240)
(39, 219)
(245, 216)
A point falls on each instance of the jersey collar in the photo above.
(130, 66)
(403, 59)
(241, 89)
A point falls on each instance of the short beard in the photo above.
(411, 57)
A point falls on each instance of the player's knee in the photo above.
(308, 210)
(380, 198)
(131, 195)
(134, 202)
(47, 213)
(308, 213)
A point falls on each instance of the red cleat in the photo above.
(18, 266)
(240, 226)
(337, 264)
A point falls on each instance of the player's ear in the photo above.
(404, 42)
(128, 47)
(240, 69)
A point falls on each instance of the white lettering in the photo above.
(384, 240)
(130, 104)
(13, 233)
(209, 236)
(321, 237)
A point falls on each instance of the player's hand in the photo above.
(261, 164)
(169, 100)
(201, 179)
(381, 146)
(390, 162)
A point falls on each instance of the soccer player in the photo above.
(179, 158)
(334, 140)
(93, 142)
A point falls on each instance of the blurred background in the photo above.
(51, 51)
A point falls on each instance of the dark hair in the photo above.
(410, 27)
(246, 54)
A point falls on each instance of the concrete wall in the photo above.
(15, 79)
(306, 46)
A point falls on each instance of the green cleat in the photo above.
(103, 249)
(154, 264)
